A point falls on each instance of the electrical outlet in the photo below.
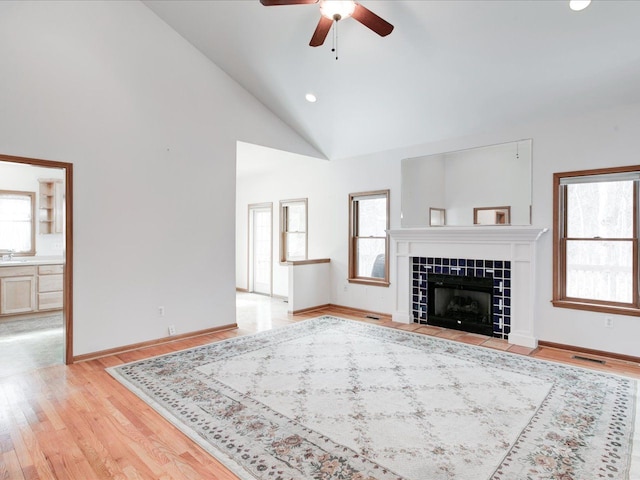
(345, 287)
(172, 329)
(161, 311)
(608, 322)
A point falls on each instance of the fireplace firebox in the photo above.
(460, 302)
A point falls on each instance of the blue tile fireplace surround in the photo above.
(499, 271)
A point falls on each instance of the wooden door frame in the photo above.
(67, 307)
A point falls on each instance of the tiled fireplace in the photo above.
(477, 278)
(505, 255)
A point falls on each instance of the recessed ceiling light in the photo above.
(577, 5)
(311, 98)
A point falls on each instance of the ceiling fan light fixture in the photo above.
(577, 5)
(337, 9)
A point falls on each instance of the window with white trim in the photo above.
(368, 239)
(293, 230)
(596, 240)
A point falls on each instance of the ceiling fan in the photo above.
(335, 10)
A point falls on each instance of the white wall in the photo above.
(16, 176)
(292, 177)
(327, 186)
(595, 140)
(150, 126)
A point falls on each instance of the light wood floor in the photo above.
(77, 423)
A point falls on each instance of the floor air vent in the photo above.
(587, 359)
(372, 317)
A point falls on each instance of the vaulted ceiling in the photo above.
(450, 68)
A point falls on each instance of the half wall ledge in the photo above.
(309, 284)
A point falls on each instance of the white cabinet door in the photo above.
(17, 294)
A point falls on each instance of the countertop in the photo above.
(19, 261)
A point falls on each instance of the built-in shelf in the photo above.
(50, 206)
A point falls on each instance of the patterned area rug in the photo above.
(336, 399)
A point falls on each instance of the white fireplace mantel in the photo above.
(475, 234)
(516, 244)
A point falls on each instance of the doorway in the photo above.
(260, 248)
(52, 280)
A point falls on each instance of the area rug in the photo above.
(330, 398)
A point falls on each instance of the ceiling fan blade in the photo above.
(271, 3)
(322, 30)
(372, 21)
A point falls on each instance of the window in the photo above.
(368, 240)
(293, 230)
(595, 257)
(17, 222)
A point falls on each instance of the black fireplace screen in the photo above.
(460, 302)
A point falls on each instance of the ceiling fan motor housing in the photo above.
(335, 10)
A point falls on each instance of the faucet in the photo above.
(8, 254)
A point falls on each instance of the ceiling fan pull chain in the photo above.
(335, 38)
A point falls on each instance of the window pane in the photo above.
(602, 210)
(368, 250)
(15, 236)
(296, 246)
(296, 221)
(15, 208)
(372, 218)
(600, 270)
(15, 222)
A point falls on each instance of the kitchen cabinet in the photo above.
(17, 290)
(31, 288)
(50, 287)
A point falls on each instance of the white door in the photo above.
(260, 249)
